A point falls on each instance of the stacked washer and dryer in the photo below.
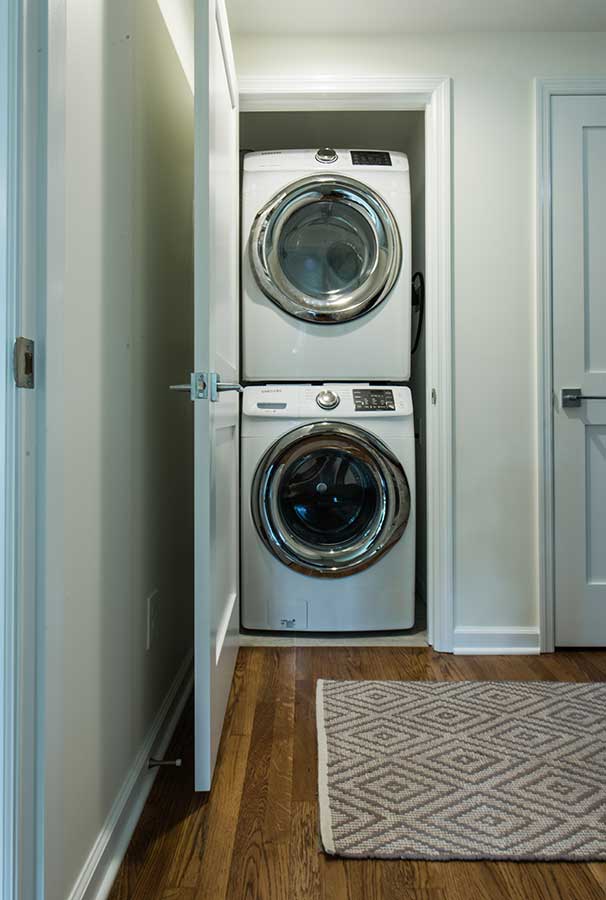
(328, 446)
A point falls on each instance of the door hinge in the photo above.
(23, 363)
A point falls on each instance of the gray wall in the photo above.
(119, 445)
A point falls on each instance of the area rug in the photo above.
(462, 770)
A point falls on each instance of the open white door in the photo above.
(216, 359)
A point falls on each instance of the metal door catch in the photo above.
(23, 363)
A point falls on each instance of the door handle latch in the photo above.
(573, 397)
(206, 386)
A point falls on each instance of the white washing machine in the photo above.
(328, 508)
(326, 266)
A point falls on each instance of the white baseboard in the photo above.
(99, 871)
(476, 640)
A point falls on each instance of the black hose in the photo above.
(418, 301)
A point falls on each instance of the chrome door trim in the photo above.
(342, 306)
(385, 529)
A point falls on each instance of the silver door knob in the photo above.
(328, 399)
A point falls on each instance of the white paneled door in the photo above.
(216, 351)
(579, 358)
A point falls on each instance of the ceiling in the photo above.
(319, 17)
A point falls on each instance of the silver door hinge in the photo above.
(23, 363)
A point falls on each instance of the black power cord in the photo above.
(418, 302)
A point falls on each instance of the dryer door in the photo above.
(329, 499)
(326, 249)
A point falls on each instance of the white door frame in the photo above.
(432, 95)
(20, 248)
(9, 232)
(545, 89)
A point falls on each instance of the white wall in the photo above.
(494, 298)
(119, 444)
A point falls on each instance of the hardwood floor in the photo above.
(255, 836)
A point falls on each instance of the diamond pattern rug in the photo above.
(462, 770)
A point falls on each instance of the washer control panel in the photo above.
(331, 400)
(328, 399)
(373, 399)
(370, 158)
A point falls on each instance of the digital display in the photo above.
(271, 405)
(370, 158)
(373, 399)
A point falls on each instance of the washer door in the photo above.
(326, 249)
(329, 499)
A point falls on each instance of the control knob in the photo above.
(327, 155)
(327, 399)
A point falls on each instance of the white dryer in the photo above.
(328, 508)
(326, 266)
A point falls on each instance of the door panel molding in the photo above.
(545, 90)
(433, 95)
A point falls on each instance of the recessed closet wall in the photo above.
(387, 130)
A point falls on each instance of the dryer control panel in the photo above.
(370, 158)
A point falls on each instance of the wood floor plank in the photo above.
(245, 687)
(305, 755)
(204, 859)
(248, 862)
(304, 859)
(178, 894)
(276, 826)
(446, 667)
(549, 881)
(408, 875)
(329, 662)
(598, 873)
(255, 837)
(471, 880)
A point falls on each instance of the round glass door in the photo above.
(329, 499)
(326, 249)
